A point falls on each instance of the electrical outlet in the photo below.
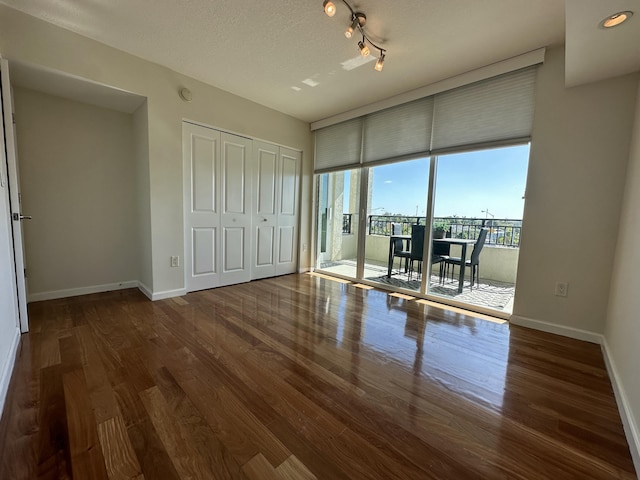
(561, 289)
(175, 261)
(304, 247)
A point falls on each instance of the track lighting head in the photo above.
(329, 8)
(349, 32)
(364, 50)
(358, 21)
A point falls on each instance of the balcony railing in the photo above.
(346, 223)
(504, 232)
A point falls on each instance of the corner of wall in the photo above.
(631, 428)
(557, 329)
(145, 290)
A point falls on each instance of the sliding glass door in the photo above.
(478, 205)
(397, 199)
(338, 217)
(447, 227)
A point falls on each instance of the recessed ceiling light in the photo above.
(616, 19)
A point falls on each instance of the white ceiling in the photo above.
(261, 50)
(594, 53)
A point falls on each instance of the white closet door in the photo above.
(201, 153)
(288, 206)
(235, 220)
(265, 189)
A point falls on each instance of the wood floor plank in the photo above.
(301, 377)
(151, 453)
(19, 425)
(120, 458)
(101, 392)
(185, 458)
(293, 469)
(54, 459)
(210, 448)
(86, 455)
(242, 434)
(259, 468)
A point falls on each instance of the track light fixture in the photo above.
(358, 21)
(364, 50)
(329, 8)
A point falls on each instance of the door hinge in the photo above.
(25, 273)
(13, 117)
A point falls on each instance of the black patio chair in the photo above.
(399, 246)
(474, 261)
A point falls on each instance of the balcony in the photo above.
(498, 260)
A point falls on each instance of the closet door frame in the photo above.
(284, 221)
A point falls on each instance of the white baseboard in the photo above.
(305, 269)
(570, 332)
(631, 427)
(146, 290)
(7, 369)
(168, 294)
(74, 292)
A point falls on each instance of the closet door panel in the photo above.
(265, 219)
(204, 251)
(286, 250)
(235, 218)
(288, 206)
(201, 168)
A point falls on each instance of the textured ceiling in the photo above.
(288, 55)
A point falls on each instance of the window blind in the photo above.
(339, 146)
(398, 131)
(493, 110)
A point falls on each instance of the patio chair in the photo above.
(474, 261)
(417, 247)
(398, 246)
(440, 254)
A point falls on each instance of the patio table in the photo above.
(463, 242)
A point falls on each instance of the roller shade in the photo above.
(494, 110)
(398, 131)
(338, 146)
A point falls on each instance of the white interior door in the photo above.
(201, 160)
(235, 220)
(288, 206)
(9, 147)
(265, 188)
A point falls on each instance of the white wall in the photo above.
(78, 178)
(579, 154)
(9, 331)
(143, 196)
(30, 40)
(622, 332)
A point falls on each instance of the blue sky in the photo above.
(466, 184)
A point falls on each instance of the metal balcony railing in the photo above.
(502, 231)
(346, 223)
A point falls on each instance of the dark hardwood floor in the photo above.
(300, 377)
